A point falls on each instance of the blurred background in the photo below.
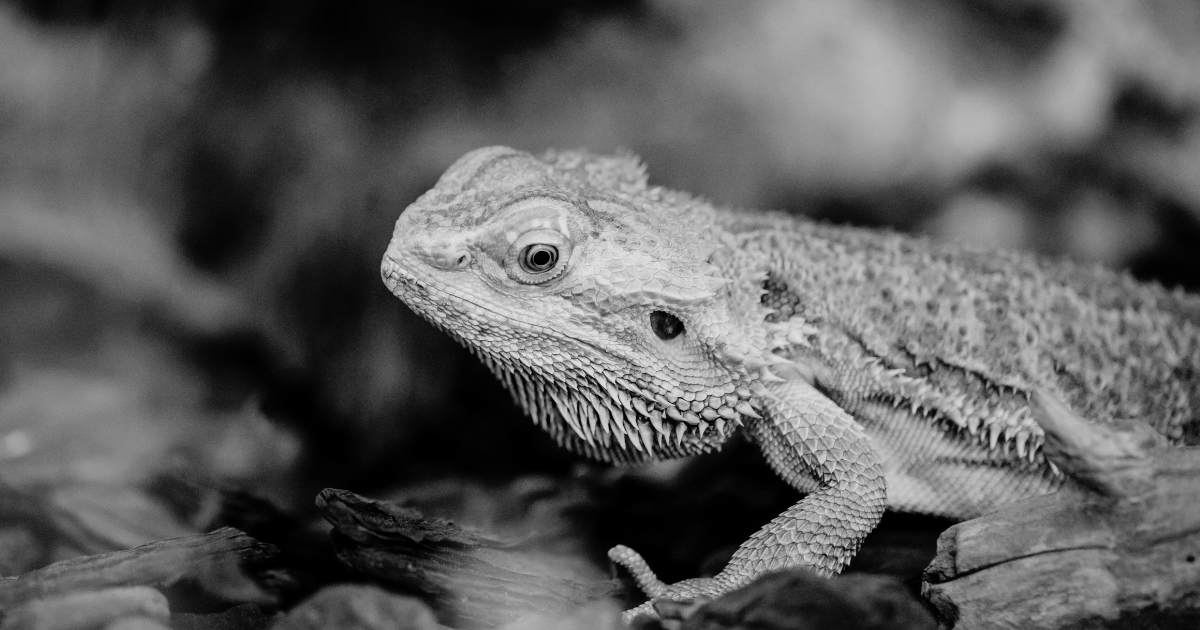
(195, 196)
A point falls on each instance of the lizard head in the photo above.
(590, 294)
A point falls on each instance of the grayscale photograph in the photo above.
(600, 315)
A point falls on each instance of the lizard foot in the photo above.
(690, 593)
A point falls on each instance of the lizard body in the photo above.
(873, 369)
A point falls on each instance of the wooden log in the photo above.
(1118, 545)
(472, 580)
(160, 563)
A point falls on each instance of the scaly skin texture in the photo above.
(873, 369)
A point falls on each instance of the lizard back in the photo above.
(935, 348)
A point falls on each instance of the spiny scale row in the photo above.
(602, 414)
(597, 417)
(981, 414)
(999, 428)
(991, 425)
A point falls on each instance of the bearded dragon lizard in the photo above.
(873, 369)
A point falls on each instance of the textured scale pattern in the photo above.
(873, 369)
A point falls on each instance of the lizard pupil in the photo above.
(665, 325)
(539, 258)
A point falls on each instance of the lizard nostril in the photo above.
(449, 259)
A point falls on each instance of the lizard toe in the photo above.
(686, 595)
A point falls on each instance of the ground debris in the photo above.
(798, 599)
(472, 580)
(601, 615)
(87, 610)
(241, 617)
(159, 563)
(137, 623)
(1117, 546)
(358, 607)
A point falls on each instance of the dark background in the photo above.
(195, 196)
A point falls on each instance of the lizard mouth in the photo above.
(400, 281)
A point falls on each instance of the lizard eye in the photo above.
(665, 325)
(538, 256)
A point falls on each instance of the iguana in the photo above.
(873, 369)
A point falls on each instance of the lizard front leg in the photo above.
(804, 436)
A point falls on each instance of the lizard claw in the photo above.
(692, 592)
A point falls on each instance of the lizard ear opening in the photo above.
(665, 325)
